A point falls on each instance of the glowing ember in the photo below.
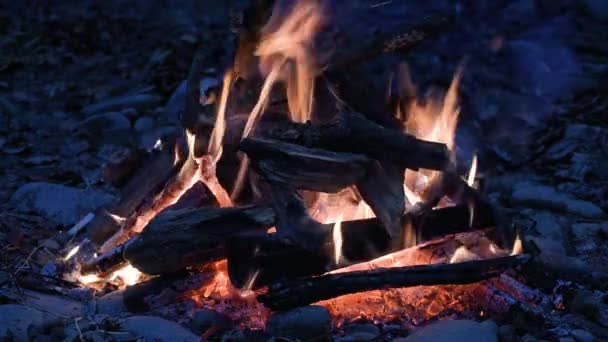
(472, 172)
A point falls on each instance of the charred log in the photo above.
(351, 132)
(286, 295)
(150, 180)
(181, 238)
(305, 168)
(271, 257)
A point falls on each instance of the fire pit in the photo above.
(304, 196)
(331, 201)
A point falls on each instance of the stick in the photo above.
(287, 295)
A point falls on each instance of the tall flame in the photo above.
(287, 46)
(434, 119)
(337, 237)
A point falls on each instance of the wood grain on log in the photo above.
(144, 184)
(303, 167)
(189, 237)
(351, 132)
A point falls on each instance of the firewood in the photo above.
(188, 237)
(287, 295)
(351, 132)
(272, 256)
(305, 168)
(144, 184)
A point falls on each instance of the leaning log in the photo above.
(270, 257)
(178, 239)
(351, 132)
(160, 167)
(287, 295)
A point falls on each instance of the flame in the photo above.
(433, 120)
(518, 247)
(472, 171)
(286, 54)
(288, 47)
(126, 275)
(71, 253)
(215, 143)
(337, 236)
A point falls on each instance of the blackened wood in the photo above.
(402, 38)
(351, 132)
(144, 184)
(273, 257)
(287, 295)
(134, 297)
(105, 263)
(303, 167)
(192, 237)
(382, 190)
(178, 239)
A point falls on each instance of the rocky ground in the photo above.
(86, 86)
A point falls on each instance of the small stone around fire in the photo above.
(303, 323)
(157, 329)
(456, 330)
(205, 319)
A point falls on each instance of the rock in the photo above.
(176, 103)
(144, 124)
(157, 329)
(360, 333)
(546, 197)
(582, 335)
(62, 306)
(548, 225)
(112, 304)
(104, 122)
(304, 323)
(140, 101)
(205, 318)
(506, 333)
(598, 9)
(15, 320)
(62, 204)
(456, 330)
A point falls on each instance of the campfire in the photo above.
(308, 191)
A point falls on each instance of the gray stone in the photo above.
(62, 204)
(175, 106)
(547, 225)
(304, 323)
(359, 333)
(140, 101)
(59, 305)
(112, 304)
(205, 318)
(506, 333)
(546, 197)
(596, 8)
(456, 330)
(144, 124)
(15, 320)
(582, 335)
(104, 122)
(157, 329)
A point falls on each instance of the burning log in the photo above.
(177, 239)
(351, 132)
(270, 257)
(153, 175)
(287, 295)
(305, 168)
